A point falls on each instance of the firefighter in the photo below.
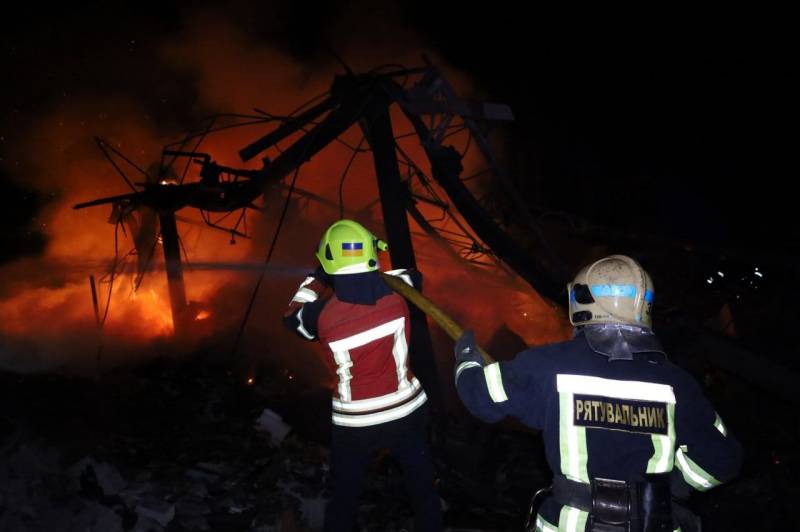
(378, 403)
(617, 417)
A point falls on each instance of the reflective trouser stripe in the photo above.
(664, 446)
(693, 474)
(572, 442)
(572, 519)
(543, 526)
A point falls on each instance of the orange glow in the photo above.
(154, 311)
(52, 291)
(250, 381)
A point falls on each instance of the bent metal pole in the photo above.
(453, 329)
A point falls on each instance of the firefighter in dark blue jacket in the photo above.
(615, 414)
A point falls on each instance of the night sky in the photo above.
(673, 126)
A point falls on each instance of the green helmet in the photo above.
(614, 289)
(348, 247)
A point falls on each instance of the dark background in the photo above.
(672, 124)
(667, 133)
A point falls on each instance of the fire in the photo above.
(153, 311)
(53, 289)
(250, 381)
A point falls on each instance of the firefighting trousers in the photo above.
(352, 449)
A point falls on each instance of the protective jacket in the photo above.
(367, 336)
(603, 418)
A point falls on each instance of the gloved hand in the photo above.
(321, 276)
(466, 349)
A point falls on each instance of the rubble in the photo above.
(271, 423)
(104, 475)
(97, 518)
(125, 455)
(156, 510)
(146, 525)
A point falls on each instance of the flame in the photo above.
(154, 312)
(53, 288)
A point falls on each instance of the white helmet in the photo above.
(615, 289)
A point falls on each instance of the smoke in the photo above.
(48, 318)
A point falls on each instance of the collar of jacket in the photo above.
(360, 288)
(622, 342)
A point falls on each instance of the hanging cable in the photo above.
(272, 246)
(253, 295)
(113, 274)
(148, 262)
(101, 144)
(344, 175)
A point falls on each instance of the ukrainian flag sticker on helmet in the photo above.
(352, 249)
(348, 247)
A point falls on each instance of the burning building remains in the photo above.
(166, 290)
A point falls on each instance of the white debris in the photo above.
(108, 478)
(156, 510)
(271, 423)
(313, 512)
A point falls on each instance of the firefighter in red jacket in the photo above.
(377, 402)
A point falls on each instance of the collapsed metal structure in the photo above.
(436, 113)
(429, 103)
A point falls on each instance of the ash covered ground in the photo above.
(185, 446)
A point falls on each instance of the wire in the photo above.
(253, 295)
(337, 139)
(150, 256)
(316, 98)
(256, 119)
(101, 144)
(113, 273)
(185, 254)
(476, 174)
(272, 246)
(466, 148)
(465, 233)
(196, 147)
(344, 175)
(212, 119)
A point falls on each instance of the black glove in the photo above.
(467, 350)
(321, 276)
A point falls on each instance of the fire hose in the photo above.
(453, 329)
